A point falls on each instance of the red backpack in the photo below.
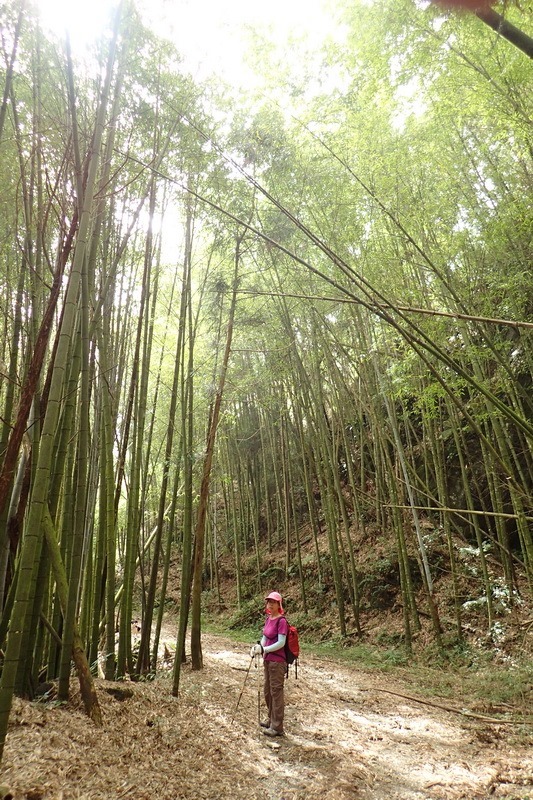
(292, 648)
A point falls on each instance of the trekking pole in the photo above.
(258, 698)
(242, 690)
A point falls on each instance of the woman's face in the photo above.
(273, 607)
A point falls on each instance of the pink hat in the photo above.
(277, 597)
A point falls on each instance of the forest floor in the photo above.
(350, 735)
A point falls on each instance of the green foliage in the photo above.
(463, 671)
(249, 616)
(363, 657)
(272, 575)
(394, 175)
(380, 583)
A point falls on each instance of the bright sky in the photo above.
(84, 21)
(209, 33)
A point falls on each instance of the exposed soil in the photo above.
(350, 735)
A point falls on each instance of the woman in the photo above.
(272, 648)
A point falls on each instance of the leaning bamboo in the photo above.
(87, 688)
(33, 533)
(199, 532)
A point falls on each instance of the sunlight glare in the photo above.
(84, 22)
(212, 36)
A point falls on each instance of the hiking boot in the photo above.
(265, 724)
(272, 732)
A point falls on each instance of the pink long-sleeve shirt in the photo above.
(275, 630)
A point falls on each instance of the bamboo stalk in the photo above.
(462, 511)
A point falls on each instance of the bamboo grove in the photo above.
(234, 331)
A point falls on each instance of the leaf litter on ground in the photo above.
(350, 735)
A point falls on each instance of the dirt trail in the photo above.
(348, 738)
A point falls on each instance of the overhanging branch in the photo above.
(409, 309)
(506, 29)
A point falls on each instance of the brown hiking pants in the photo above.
(273, 691)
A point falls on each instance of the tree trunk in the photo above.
(199, 533)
